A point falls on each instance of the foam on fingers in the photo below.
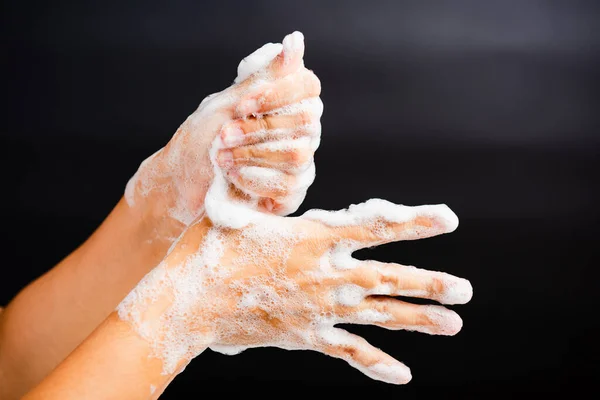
(294, 43)
(256, 178)
(279, 93)
(378, 221)
(261, 181)
(293, 120)
(408, 281)
(458, 291)
(395, 373)
(293, 49)
(373, 209)
(258, 60)
(361, 355)
(442, 321)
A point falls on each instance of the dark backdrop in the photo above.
(487, 106)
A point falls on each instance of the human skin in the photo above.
(54, 314)
(137, 352)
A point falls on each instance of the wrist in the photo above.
(164, 198)
(158, 309)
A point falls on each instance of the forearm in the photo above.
(52, 315)
(112, 363)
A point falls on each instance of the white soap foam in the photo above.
(341, 256)
(395, 373)
(350, 295)
(285, 145)
(372, 316)
(311, 105)
(262, 135)
(364, 213)
(325, 262)
(263, 179)
(458, 291)
(258, 60)
(335, 337)
(444, 321)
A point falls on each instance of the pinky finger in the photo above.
(282, 206)
(369, 360)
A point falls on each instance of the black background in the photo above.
(487, 106)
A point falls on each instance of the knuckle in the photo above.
(313, 83)
(382, 305)
(298, 157)
(371, 277)
(389, 279)
(240, 153)
(263, 123)
(305, 118)
(436, 286)
(349, 351)
(255, 154)
(422, 319)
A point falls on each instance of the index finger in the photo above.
(379, 221)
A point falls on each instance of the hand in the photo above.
(286, 282)
(268, 125)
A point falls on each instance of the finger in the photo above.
(378, 221)
(285, 191)
(272, 96)
(290, 58)
(258, 60)
(395, 314)
(270, 62)
(262, 182)
(361, 355)
(285, 155)
(301, 119)
(401, 280)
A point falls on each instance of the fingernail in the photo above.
(232, 136)
(225, 158)
(248, 106)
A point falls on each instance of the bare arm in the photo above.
(113, 363)
(55, 313)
